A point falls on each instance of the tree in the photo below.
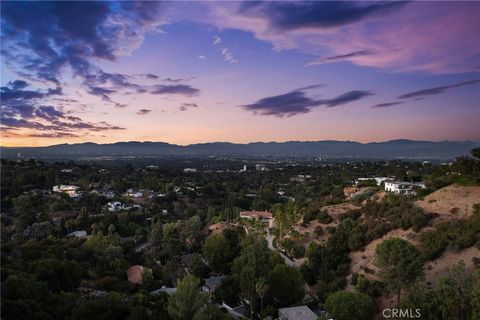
(191, 232)
(457, 296)
(59, 274)
(262, 288)
(453, 293)
(252, 264)
(344, 305)
(475, 302)
(187, 300)
(217, 252)
(400, 264)
(475, 153)
(198, 267)
(286, 285)
(109, 307)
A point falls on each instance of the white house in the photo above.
(404, 188)
(260, 167)
(378, 180)
(189, 170)
(71, 190)
(115, 206)
(80, 234)
(165, 289)
(133, 194)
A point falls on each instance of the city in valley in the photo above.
(274, 160)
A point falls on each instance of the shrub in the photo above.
(324, 218)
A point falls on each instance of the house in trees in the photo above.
(186, 261)
(164, 289)
(212, 283)
(350, 192)
(71, 190)
(80, 234)
(115, 206)
(135, 274)
(264, 216)
(296, 313)
(133, 194)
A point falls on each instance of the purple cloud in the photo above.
(297, 102)
(315, 14)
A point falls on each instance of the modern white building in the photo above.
(260, 167)
(189, 170)
(378, 180)
(115, 206)
(403, 188)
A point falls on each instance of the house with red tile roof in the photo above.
(135, 274)
(264, 216)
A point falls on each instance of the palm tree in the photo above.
(261, 288)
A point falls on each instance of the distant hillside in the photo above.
(374, 150)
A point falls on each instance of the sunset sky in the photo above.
(189, 72)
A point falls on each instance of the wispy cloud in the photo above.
(228, 55)
(143, 112)
(224, 51)
(216, 40)
(338, 57)
(186, 106)
(387, 104)
(437, 90)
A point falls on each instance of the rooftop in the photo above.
(256, 214)
(297, 313)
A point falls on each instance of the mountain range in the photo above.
(401, 148)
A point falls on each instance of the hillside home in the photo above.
(164, 289)
(135, 274)
(350, 192)
(264, 216)
(403, 188)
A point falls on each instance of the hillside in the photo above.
(449, 203)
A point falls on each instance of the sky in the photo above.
(194, 72)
